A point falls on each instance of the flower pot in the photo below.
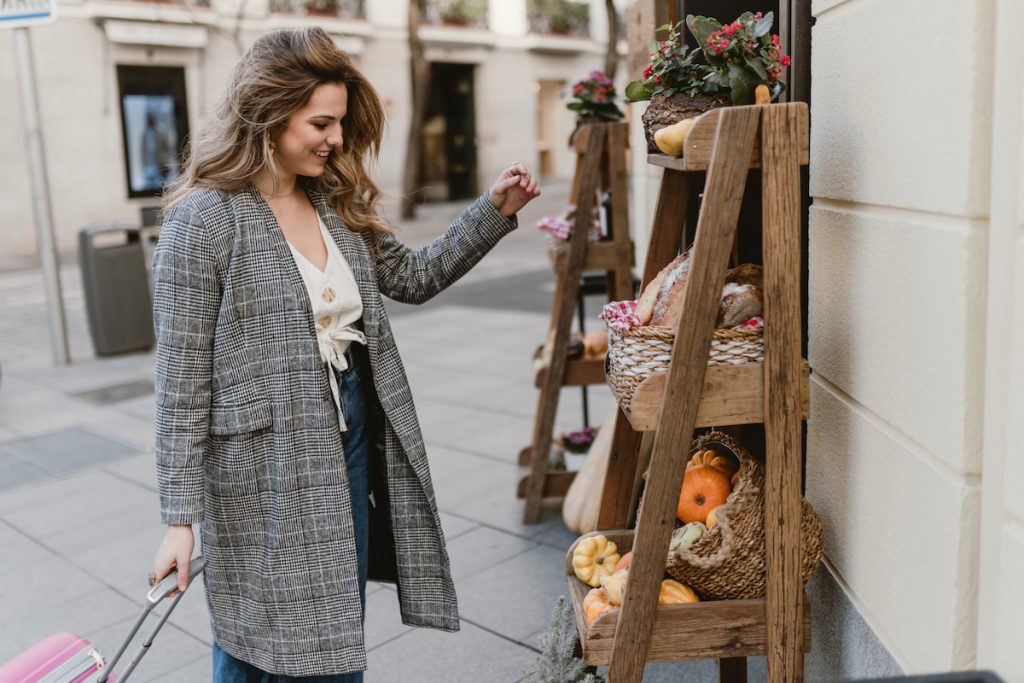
(664, 111)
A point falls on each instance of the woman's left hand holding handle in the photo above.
(513, 190)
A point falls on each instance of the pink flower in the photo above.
(758, 16)
(600, 96)
(578, 89)
(730, 29)
(647, 71)
(785, 61)
(775, 39)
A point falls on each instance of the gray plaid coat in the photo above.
(247, 438)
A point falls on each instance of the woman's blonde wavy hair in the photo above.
(276, 77)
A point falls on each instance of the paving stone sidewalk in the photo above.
(78, 504)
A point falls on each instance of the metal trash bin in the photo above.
(116, 286)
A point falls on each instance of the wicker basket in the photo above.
(634, 355)
(728, 562)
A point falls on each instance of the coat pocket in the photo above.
(240, 419)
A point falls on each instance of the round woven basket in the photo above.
(728, 562)
(634, 355)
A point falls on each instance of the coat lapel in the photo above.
(354, 249)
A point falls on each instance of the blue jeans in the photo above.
(352, 385)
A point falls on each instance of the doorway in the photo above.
(448, 166)
(551, 135)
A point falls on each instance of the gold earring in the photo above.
(273, 147)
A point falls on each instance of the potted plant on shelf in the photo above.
(462, 12)
(594, 101)
(731, 62)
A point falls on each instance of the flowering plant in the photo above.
(672, 69)
(737, 57)
(595, 96)
(578, 442)
(742, 55)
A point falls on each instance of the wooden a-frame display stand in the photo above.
(600, 168)
(726, 143)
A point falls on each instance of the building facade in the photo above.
(121, 82)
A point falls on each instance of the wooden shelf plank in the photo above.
(704, 630)
(701, 141)
(556, 482)
(578, 373)
(599, 256)
(732, 395)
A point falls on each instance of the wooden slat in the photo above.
(781, 125)
(729, 629)
(700, 140)
(731, 395)
(726, 180)
(619, 274)
(599, 256)
(568, 282)
(578, 373)
(556, 483)
(667, 236)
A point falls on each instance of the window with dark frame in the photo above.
(154, 126)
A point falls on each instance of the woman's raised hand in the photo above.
(513, 189)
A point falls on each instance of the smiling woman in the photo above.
(285, 426)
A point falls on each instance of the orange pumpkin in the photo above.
(714, 459)
(704, 488)
(675, 593)
(624, 562)
(595, 604)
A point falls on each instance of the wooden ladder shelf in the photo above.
(600, 167)
(726, 143)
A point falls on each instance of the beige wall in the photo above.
(900, 171)
(1001, 601)
(77, 84)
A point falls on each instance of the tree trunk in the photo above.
(611, 55)
(419, 74)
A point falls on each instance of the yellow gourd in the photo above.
(762, 95)
(582, 502)
(615, 586)
(675, 593)
(594, 557)
(670, 138)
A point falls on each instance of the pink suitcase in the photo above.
(68, 658)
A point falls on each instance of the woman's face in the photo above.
(314, 132)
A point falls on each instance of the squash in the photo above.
(670, 139)
(595, 604)
(624, 562)
(714, 459)
(712, 517)
(582, 502)
(674, 593)
(594, 557)
(615, 586)
(685, 536)
(762, 95)
(704, 488)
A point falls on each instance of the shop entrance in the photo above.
(448, 167)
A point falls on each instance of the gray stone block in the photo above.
(539, 578)
(471, 655)
(482, 549)
(383, 619)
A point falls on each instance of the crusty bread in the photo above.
(740, 303)
(645, 304)
(669, 304)
(745, 274)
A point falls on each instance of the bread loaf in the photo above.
(669, 304)
(740, 303)
(645, 304)
(745, 274)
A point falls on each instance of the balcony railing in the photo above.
(468, 13)
(559, 17)
(344, 9)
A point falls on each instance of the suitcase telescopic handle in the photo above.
(155, 596)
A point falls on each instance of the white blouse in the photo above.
(337, 308)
